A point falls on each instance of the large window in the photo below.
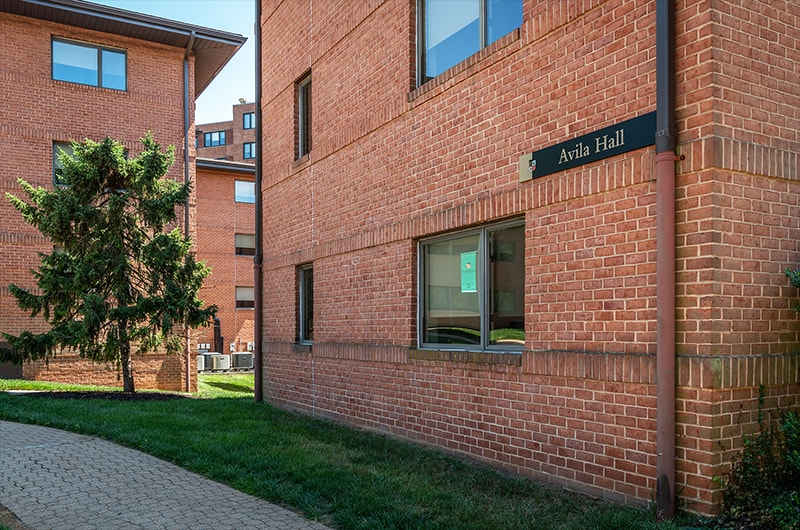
(303, 104)
(306, 303)
(472, 287)
(249, 120)
(213, 139)
(249, 151)
(452, 30)
(244, 191)
(87, 64)
(245, 298)
(245, 244)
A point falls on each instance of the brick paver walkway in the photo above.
(54, 479)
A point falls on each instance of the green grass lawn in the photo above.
(342, 477)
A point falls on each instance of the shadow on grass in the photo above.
(230, 387)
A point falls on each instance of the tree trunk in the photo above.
(125, 357)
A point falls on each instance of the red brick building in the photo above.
(71, 70)
(230, 140)
(226, 242)
(467, 242)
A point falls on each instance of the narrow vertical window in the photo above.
(58, 167)
(306, 303)
(303, 141)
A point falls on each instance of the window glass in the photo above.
(213, 139)
(89, 65)
(244, 191)
(472, 289)
(58, 167)
(113, 69)
(75, 63)
(245, 298)
(452, 306)
(245, 244)
(507, 286)
(452, 33)
(452, 30)
(303, 142)
(249, 120)
(306, 304)
(249, 150)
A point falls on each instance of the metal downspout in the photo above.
(258, 271)
(186, 176)
(666, 135)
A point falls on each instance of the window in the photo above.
(306, 303)
(213, 139)
(245, 244)
(245, 298)
(58, 167)
(303, 143)
(249, 120)
(87, 64)
(249, 150)
(244, 191)
(472, 289)
(452, 30)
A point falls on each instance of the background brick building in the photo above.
(405, 167)
(226, 243)
(230, 140)
(150, 65)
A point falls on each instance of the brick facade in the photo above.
(219, 219)
(37, 111)
(393, 163)
(235, 136)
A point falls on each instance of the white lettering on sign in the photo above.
(602, 143)
(610, 142)
(579, 151)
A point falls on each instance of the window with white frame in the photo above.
(452, 30)
(245, 298)
(244, 191)
(249, 151)
(306, 303)
(472, 287)
(245, 244)
(89, 64)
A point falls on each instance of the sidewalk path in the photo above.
(54, 479)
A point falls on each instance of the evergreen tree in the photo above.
(117, 278)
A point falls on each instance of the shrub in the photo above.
(762, 490)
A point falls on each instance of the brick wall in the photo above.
(219, 218)
(36, 111)
(393, 163)
(235, 136)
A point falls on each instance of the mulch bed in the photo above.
(111, 396)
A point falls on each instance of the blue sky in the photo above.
(237, 79)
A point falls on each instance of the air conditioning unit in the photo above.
(242, 360)
(219, 361)
(201, 363)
